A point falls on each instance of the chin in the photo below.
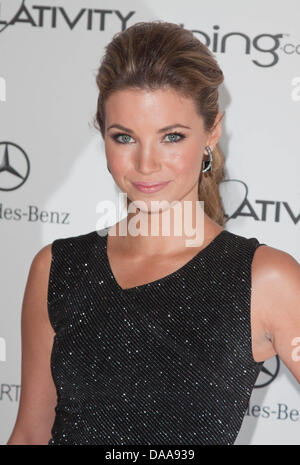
(149, 206)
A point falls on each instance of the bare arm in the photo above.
(279, 278)
(38, 393)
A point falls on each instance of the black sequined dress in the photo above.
(169, 362)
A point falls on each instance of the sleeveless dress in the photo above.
(169, 362)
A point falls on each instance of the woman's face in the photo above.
(142, 150)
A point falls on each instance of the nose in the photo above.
(147, 161)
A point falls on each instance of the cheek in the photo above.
(186, 162)
(119, 165)
(118, 162)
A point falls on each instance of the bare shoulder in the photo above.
(38, 276)
(275, 270)
(275, 260)
(42, 259)
(275, 292)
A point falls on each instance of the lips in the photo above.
(149, 187)
(148, 184)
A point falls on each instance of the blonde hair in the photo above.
(156, 54)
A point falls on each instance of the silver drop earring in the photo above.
(207, 167)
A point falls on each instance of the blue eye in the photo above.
(181, 136)
(178, 137)
(115, 137)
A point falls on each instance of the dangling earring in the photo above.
(204, 162)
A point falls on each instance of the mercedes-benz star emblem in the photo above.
(14, 166)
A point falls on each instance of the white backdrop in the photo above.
(53, 167)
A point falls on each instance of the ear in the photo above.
(216, 131)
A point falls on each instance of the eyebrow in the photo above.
(167, 128)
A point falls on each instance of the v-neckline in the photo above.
(158, 281)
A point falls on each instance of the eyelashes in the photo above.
(176, 133)
(180, 134)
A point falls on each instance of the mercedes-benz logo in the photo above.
(14, 166)
(268, 372)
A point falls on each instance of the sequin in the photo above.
(168, 362)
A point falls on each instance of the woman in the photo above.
(155, 342)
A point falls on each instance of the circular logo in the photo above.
(268, 372)
(14, 166)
